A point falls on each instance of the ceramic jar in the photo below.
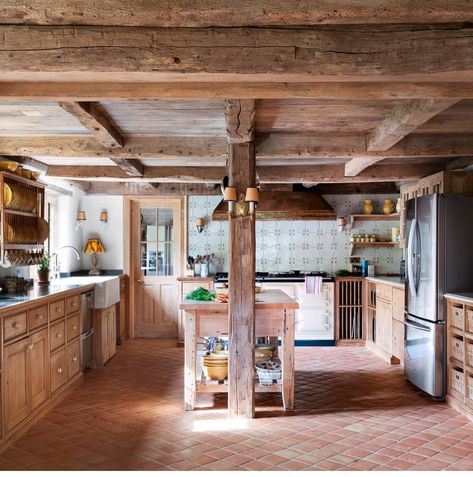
(388, 207)
(368, 207)
(398, 206)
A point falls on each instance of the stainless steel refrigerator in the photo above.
(439, 259)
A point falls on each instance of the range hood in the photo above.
(286, 206)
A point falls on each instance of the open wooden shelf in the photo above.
(19, 212)
(374, 244)
(211, 386)
(372, 218)
(23, 246)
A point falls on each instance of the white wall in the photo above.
(296, 245)
(112, 238)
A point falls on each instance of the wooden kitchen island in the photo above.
(274, 317)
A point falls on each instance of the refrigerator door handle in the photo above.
(418, 256)
(410, 258)
(417, 326)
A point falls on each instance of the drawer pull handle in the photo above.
(74, 327)
(39, 317)
(73, 304)
(15, 325)
(59, 370)
(30, 346)
(58, 309)
(75, 359)
(58, 335)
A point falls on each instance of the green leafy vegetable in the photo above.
(201, 294)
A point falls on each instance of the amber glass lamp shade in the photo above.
(94, 246)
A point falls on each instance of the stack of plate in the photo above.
(21, 234)
(215, 366)
(17, 197)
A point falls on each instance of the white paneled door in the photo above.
(157, 244)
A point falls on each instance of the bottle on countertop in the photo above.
(364, 267)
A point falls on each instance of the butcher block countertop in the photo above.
(266, 300)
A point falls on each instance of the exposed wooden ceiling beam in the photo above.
(240, 120)
(132, 167)
(459, 163)
(358, 188)
(108, 89)
(93, 117)
(29, 161)
(311, 52)
(181, 13)
(358, 164)
(268, 146)
(278, 175)
(152, 188)
(403, 120)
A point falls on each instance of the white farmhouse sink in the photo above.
(107, 289)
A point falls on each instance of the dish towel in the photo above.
(313, 285)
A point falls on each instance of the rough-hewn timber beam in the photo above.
(93, 117)
(146, 188)
(28, 161)
(273, 146)
(181, 13)
(137, 147)
(240, 120)
(323, 52)
(403, 120)
(358, 164)
(132, 167)
(269, 174)
(93, 89)
(459, 163)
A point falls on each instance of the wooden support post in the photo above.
(287, 360)
(241, 310)
(190, 360)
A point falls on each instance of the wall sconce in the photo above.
(230, 196)
(80, 219)
(252, 197)
(199, 223)
(341, 222)
(104, 219)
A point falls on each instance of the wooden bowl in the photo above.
(257, 289)
(8, 166)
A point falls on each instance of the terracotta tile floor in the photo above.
(353, 413)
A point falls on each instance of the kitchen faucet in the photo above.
(57, 266)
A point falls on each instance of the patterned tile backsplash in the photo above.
(297, 245)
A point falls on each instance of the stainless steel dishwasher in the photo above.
(86, 330)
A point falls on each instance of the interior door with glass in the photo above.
(157, 262)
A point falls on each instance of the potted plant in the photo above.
(43, 268)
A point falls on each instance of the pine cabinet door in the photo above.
(39, 368)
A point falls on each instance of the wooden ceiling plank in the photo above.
(459, 163)
(274, 175)
(152, 188)
(132, 167)
(162, 13)
(29, 161)
(308, 51)
(93, 117)
(403, 120)
(94, 90)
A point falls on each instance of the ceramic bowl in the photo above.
(216, 372)
(8, 166)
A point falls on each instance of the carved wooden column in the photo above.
(239, 116)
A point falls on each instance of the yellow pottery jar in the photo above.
(398, 206)
(388, 206)
(368, 207)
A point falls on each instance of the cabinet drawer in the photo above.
(56, 310)
(398, 303)
(37, 317)
(398, 339)
(58, 369)
(58, 335)
(73, 358)
(14, 325)
(384, 292)
(72, 304)
(72, 327)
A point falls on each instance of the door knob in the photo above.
(139, 281)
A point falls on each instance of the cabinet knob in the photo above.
(75, 359)
(73, 304)
(58, 335)
(39, 317)
(74, 327)
(59, 370)
(30, 346)
(58, 309)
(15, 325)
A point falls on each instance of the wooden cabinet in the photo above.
(58, 369)
(72, 327)
(57, 310)
(122, 316)
(26, 377)
(57, 335)
(384, 325)
(72, 304)
(398, 340)
(37, 317)
(73, 359)
(14, 325)
(106, 334)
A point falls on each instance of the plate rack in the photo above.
(20, 219)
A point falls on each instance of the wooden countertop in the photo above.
(267, 299)
(394, 281)
(196, 279)
(463, 297)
